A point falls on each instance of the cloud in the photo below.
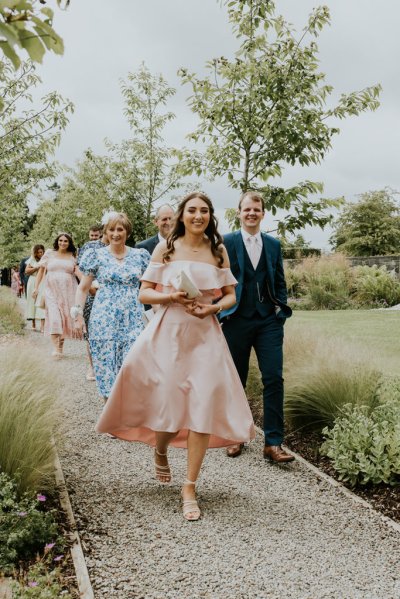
(106, 40)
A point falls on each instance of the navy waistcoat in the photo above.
(255, 298)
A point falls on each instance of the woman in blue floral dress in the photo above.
(116, 319)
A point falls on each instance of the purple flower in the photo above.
(58, 558)
(33, 584)
(48, 546)
(41, 497)
(21, 514)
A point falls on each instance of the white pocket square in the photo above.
(183, 283)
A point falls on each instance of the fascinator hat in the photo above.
(109, 215)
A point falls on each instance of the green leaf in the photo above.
(11, 54)
(9, 33)
(33, 46)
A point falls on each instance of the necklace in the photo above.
(188, 247)
(118, 257)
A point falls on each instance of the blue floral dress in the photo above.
(117, 315)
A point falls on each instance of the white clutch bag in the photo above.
(183, 283)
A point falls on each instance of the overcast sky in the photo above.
(104, 40)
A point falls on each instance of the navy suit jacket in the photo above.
(275, 275)
(149, 244)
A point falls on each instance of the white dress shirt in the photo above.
(253, 245)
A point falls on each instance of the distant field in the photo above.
(376, 331)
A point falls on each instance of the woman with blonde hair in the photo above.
(178, 384)
(59, 267)
(116, 318)
(33, 310)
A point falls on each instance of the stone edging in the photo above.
(82, 574)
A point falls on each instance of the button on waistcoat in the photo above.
(255, 298)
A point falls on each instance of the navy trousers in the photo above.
(266, 336)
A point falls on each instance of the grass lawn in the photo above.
(376, 331)
(373, 332)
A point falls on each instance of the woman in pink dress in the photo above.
(16, 285)
(178, 384)
(59, 267)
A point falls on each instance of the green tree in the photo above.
(369, 227)
(135, 175)
(28, 138)
(267, 108)
(28, 25)
(95, 185)
(156, 170)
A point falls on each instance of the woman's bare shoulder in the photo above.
(159, 250)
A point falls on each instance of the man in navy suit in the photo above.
(22, 273)
(163, 221)
(257, 319)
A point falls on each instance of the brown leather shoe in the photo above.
(275, 453)
(234, 450)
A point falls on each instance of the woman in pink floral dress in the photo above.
(59, 266)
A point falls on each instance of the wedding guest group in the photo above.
(180, 379)
(34, 310)
(58, 266)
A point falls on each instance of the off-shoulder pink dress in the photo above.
(179, 374)
(59, 292)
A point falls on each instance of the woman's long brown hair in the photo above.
(178, 229)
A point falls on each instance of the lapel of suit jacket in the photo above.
(155, 242)
(268, 259)
(239, 247)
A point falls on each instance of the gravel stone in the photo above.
(267, 532)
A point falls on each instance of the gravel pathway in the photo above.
(267, 532)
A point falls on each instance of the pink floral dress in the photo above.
(59, 292)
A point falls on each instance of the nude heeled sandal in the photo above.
(190, 506)
(162, 471)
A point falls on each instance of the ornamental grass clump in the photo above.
(325, 282)
(364, 445)
(322, 376)
(29, 414)
(11, 320)
(375, 286)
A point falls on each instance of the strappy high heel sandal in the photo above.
(190, 506)
(61, 346)
(163, 473)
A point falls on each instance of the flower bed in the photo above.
(34, 551)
